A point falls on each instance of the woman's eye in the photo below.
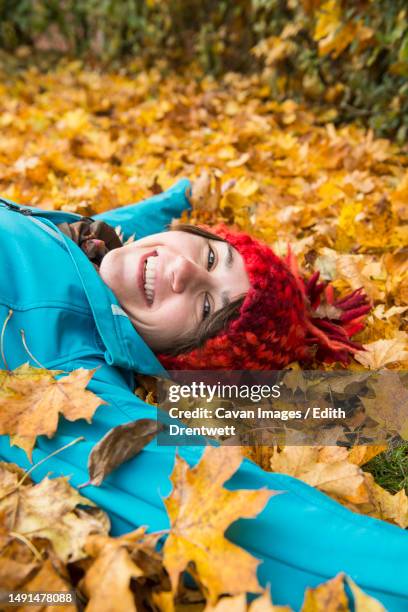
(211, 258)
(206, 307)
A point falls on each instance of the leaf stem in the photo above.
(39, 463)
(22, 332)
(10, 313)
(161, 532)
(49, 456)
(26, 541)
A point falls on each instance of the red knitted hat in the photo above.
(280, 320)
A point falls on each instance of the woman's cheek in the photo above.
(173, 319)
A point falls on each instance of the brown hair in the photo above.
(216, 322)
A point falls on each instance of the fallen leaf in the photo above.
(337, 477)
(239, 604)
(31, 400)
(264, 604)
(203, 197)
(107, 582)
(120, 444)
(389, 405)
(362, 601)
(385, 505)
(383, 352)
(328, 597)
(48, 579)
(358, 271)
(200, 510)
(363, 454)
(49, 510)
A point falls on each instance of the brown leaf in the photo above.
(203, 197)
(49, 510)
(389, 405)
(17, 562)
(119, 445)
(200, 510)
(31, 400)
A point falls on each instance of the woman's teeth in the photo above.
(150, 277)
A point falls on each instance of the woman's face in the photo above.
(168, 283)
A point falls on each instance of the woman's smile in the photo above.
(147, 276)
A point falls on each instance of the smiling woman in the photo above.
(80, 299)
(221, 299)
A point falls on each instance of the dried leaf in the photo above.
(389, 405)
(337, 477)
(107, 582)
(31, 400)
(120, 444)
(49, 510)
(200, 510)
(383, 352)
(362, 601)
(329, 596)
(48, 579)
(384, 505)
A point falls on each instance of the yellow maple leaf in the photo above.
(329, 596)
(31, 400)
(200, 510)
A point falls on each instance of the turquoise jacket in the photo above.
(71, 319)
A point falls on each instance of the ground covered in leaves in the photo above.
(83, 141)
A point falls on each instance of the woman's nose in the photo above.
(184, 274)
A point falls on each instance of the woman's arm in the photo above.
(152, 215)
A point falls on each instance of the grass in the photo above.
(390, 468)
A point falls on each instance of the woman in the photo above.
(199, 302)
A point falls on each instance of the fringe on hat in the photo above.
(343, 318)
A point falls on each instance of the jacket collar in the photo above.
(123, 345)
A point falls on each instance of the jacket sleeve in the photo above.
(302, 537)
(152, 215)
